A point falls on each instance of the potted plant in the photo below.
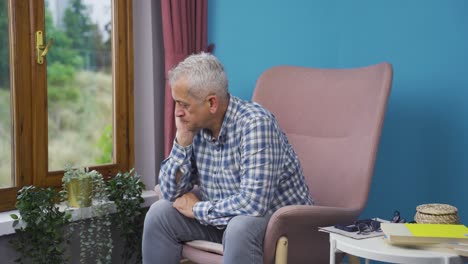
(81, 185)
(43, 227)
(125, 191)
(41, 232)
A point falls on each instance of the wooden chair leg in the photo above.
(353, 259)
(281, 256)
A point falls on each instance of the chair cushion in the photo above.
(206, 246)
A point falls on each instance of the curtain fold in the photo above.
(184, 33)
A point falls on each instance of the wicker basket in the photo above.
(436, 214)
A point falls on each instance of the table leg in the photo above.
(353, 259)
(332, 251)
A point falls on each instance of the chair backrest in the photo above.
(333, 118)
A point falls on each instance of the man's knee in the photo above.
(241, 226)
(160, 213)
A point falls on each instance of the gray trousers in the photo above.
(165, 229)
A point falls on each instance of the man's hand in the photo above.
(185, 203)
(184, 136)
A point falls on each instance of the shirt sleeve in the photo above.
(260, 158)
(178, 160)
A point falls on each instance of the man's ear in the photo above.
(213, 103)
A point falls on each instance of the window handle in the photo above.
(41, 50)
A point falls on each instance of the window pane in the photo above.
(5, 100)
(79, 80)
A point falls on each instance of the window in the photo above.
(5, 102)
(74, 109)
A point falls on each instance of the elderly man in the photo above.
(236, 153)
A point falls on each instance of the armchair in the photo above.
(333, 118)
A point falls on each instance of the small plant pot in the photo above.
(79, 193)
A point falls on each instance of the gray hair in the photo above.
(204, 74)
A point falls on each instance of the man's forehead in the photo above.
(180, 86)
(182, 80)
(180, 92)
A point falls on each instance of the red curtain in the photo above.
(185, 33)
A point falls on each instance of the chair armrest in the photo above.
(300, 223)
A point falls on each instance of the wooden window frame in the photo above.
(29, 98)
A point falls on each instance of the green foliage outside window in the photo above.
(5, 104)
(105, 144)
(4, 51)
(79, 88)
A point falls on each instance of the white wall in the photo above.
(148, 89)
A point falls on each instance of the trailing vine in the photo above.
(94, 232)
(125, 191)
(41, 231)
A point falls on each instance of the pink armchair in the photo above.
(333, 118)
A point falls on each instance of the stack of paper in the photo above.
(355, 235)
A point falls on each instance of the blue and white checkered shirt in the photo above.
(251, 169)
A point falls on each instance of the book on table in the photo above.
(414, 234)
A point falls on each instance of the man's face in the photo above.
(192, 113)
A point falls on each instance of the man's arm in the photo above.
(176, 175)
(260, 159)
(185, 203)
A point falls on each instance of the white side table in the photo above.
(377, 249)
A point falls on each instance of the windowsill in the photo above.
(6, 222)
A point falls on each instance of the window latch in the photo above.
(41, 50)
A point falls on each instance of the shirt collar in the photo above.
(227, 121)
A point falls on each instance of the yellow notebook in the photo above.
(424, 233)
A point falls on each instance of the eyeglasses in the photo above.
(397, 218)
(367, 226)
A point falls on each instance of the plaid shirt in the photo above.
(251, 169)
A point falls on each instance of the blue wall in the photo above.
(424, 146)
